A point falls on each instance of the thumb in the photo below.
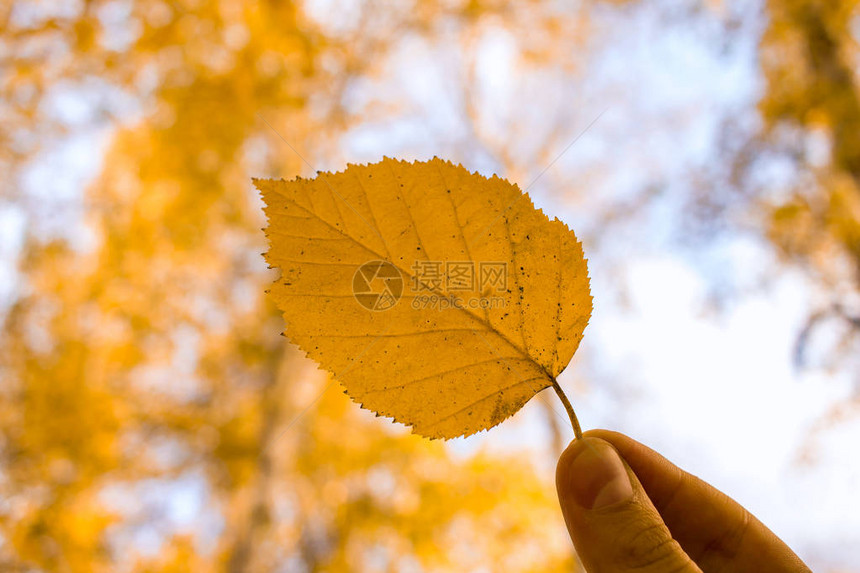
(611, 521)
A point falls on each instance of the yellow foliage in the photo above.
(148, 359)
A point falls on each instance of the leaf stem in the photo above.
(577, 430)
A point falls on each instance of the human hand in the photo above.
(649, 516)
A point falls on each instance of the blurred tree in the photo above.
(152, 419)
(809, 133)
(786, 169)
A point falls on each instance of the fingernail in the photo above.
(596, 475)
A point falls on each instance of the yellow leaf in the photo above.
(376, 263)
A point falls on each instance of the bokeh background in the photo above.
(707, 152)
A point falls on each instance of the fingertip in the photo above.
(591, 474)
(589, 438)
(566, 459)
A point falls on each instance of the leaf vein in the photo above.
(444, 373)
